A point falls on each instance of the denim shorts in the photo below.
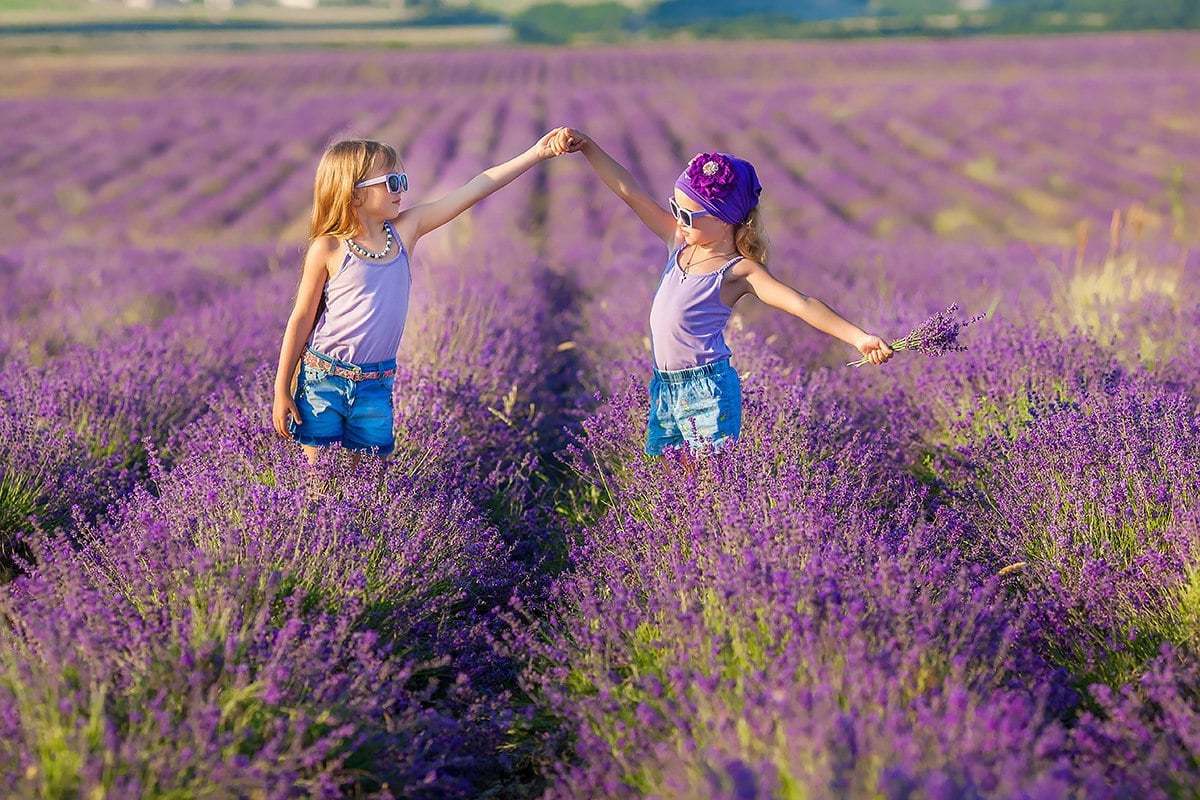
(695, 405)
(335, 409)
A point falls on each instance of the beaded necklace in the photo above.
(362, 251)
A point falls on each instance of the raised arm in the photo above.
(299, 325)
(623, 185)
(425, 217)
(774, 292)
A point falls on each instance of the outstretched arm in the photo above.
(624, 185)
(436, 213)
(776, 293)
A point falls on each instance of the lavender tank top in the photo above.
(687, 318)
(366, 306)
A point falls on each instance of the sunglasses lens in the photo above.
(393, 183)
(682, 215)
(404, 181)
(677, 212)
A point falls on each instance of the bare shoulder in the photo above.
(324, 246)
(323, 251)
(406, 223)
(745, 268)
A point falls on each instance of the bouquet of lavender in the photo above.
(933, 337)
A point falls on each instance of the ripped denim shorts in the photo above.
(695, 405)
(358, 414)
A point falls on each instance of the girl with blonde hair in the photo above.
(695, 394)
(350, 309)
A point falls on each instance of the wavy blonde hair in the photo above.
(342, 165)
(750, 239)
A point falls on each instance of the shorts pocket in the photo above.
(716, 387)
(729, 397)
(660, 398)
(314, 374)
(375, 392)
(701, 392)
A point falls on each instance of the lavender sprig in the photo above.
(935, 336)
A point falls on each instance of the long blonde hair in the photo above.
(342, 165)
(750, 239)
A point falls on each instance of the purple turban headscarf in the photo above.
(725, 185)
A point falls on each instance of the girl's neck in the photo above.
(369, 232)
(714, 248)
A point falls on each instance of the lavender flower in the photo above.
(935, 336)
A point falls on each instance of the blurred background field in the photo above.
(972, 576)
(85, 25)
(952, 153)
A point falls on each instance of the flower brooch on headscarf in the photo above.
(711, 174)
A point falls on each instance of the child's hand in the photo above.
(874, 349)
(575, 140)
(283, 407)
(551, 145)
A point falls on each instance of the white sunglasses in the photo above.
(686, 216)
(396, 182)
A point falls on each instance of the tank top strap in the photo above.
(342, 267)
(401, 250)
(729, 263)
(395, 235)
(671, 259)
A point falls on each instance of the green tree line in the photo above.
(559, 22)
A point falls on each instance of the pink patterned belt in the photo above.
(353, 373)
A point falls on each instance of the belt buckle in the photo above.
(356, 372)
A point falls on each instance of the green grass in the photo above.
(44, 5)
(19, 499)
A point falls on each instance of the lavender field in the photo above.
(970, 576)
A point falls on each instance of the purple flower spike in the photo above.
(711, 174)
(939, 334)
(935, 336)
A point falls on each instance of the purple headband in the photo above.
(725, 185)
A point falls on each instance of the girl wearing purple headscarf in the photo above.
(718, 254)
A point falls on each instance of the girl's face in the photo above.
(375, 201)
(705, 230)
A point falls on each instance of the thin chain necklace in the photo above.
(691, 264)
(362, 251)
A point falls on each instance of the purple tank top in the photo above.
(687, 318)
(366, 305)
